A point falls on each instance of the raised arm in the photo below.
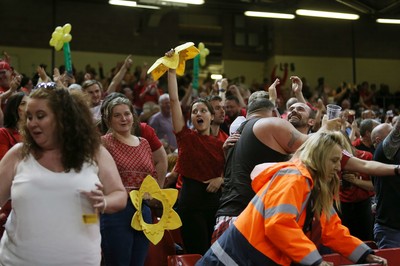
(391, 143)
(374, 168)
(318, 116)
(15, 83)
(187, 98)
(297, 88)
(235, 91)
(178, 121)
(273, 96)
(120, 75)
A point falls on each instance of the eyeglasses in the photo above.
(46, 85)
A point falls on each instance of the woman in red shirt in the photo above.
(9, 136)
(200, 162)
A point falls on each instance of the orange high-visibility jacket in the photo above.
(270, 230)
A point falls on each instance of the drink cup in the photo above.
(89, 214)
(333, 111)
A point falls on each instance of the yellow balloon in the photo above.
(60, 36)
(67, 28)
(56, 35)
(52, 42)
(67, 38)
(201, 46)
(59, 45)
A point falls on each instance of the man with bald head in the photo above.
(387, 218)
(379, 133)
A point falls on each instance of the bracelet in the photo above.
(105, 205)
(396, 170)
(221, 90)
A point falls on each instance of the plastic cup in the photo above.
(89, 214)
(333, 111)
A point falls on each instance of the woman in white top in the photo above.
(59, 165)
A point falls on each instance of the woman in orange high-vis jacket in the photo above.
(273, 229)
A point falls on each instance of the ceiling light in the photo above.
(123, 3)
(325, 14)
(388, 21)
(148, 7)
(191, 2)
(216, 76)
(131, 4)
(268, 15)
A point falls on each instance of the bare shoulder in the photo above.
(14, 154)
(102, 154)
(10, 161)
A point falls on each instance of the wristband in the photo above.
(396, 170)
(221, 90)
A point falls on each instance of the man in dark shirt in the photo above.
(387, 188)
(364, 143)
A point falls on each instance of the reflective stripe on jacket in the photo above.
(270, 230)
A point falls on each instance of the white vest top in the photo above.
(45, 226)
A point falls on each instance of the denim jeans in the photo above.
(386, 237)
(121, 244)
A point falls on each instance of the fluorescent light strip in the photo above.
(123, 3)
(388, 21)
(148, 7)
(325, 14)
(131, 4)
(216, 76)
(268, 15)
(191, 2)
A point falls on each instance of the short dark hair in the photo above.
(214, 98)
(232, 98)
(259, 104)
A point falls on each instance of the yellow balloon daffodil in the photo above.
(60, 36)
(182, 53)
(203, 53)
(169, 220)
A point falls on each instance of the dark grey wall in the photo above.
(99, 27)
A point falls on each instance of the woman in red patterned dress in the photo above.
(121, 244)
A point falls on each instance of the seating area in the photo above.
(391, 254)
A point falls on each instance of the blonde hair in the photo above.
(314, 153)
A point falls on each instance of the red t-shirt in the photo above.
(133, 163)
(222, 135)
(8, 138)
(228, 120)
(150, 135)
(355, 193)
(200, 157)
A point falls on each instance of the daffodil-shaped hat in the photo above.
(169, 220)
(182, 53)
